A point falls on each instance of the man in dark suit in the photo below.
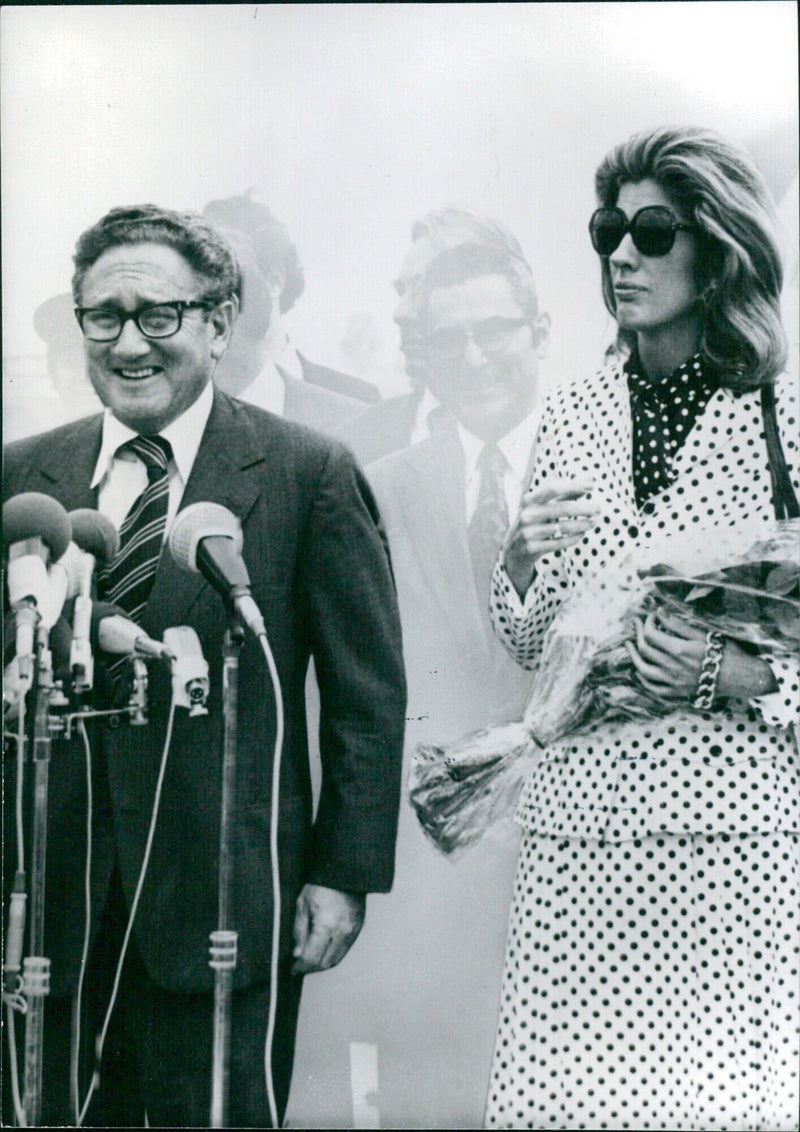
(410, 417)
(158, 298)
(282, 284)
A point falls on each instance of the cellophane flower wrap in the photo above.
(459, 789)
(742, 582)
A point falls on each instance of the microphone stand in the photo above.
(224, 939)
(36, 968)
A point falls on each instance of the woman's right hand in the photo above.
(551, 517)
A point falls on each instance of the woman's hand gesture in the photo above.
(551, 517)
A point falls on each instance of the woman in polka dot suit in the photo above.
(651, 975)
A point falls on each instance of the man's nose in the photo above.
(131, 341)
(473, 355)
(404, 310)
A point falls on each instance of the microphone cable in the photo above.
(276, 876)
(100, 1040)
(14, 1000)
(75, 1042)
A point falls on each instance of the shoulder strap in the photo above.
(783, 494)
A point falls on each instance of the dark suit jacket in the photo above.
(344, 383)
(320, 574)
(382, 429)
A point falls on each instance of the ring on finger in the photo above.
(556, 533)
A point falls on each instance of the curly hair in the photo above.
(739, 271)
(205, 250)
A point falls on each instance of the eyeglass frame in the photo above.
(628, 227)
(511, 324)
(178, 305)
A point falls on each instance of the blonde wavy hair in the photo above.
(739, 271)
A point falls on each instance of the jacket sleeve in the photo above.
(356, 643)
(521, 623)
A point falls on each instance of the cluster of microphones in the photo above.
(52, 559)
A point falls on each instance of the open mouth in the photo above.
(137, 373)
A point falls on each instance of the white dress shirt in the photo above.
(421, 428)
(516, 446)
(122, 477)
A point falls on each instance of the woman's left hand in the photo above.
(668, 656)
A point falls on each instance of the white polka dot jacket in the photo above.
(734, 770)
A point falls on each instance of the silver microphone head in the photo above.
(199, 521)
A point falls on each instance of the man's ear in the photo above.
(275, 281)
(222, 320)
(541, 333)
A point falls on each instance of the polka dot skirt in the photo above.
(651, 984)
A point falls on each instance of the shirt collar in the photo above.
(515, 445)
(289, 360)
(184, 434)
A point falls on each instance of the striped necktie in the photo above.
(128, 580)
(489, 524)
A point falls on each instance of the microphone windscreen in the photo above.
(199, 521)
(95, 534)
(100, 611)
(34, 515)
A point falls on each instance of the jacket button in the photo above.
(113, 722)
(633, 530)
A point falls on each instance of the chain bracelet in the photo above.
(709, 672)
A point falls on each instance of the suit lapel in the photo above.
(432, 498)
(67, 463)
(714, 431)
(228, 470)
(610, 410)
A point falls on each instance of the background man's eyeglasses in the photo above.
(157, 320)
(652, 229)
(491, 335)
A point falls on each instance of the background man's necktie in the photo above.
(489, 524)
(128, 580)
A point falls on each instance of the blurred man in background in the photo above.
(410, 417)
(280, 378)
(430, 962)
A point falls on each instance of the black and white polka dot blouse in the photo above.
(662, 414)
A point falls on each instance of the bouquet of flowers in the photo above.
(586, 677)
(459, 789)
(744, 584)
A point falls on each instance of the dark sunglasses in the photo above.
(652, 229)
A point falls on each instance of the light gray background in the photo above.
(351, 121)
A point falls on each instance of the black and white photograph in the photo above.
(401, 602)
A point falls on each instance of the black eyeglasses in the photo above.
(156, 320)
(491, 335)
(652, 229)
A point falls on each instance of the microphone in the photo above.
(95, 535)
(206, 539)
(36, 531)
(116, 634)
(96, 541)
(190, 684)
